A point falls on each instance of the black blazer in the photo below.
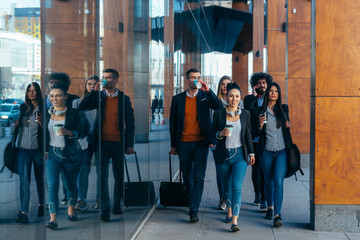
(250, 102)
(204, 101)
(262, 132)
(126, 116)
(40, 131)
(219, 123)
(74, 121)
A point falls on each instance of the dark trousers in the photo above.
(257, 176)
(193, 159)
(115, 151)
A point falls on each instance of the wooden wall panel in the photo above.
(276, 51)
(337, 155)
(258, 35)
(335, 102)
(276, 14)
(69, 40)
(337, 44)
(299, 36)
(240, 61)
(299, 102)
(240, 71)
(302, 11)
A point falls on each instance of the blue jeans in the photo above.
(56, 163)
(233, 172)
(274, 166)
(26, 158)
(193, 159)
(83, 176)
(115, 151)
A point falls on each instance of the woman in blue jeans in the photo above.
(30, 131)
(231, 126)
(88, 145)
(274, 140)
(221, 94)
(64, 127)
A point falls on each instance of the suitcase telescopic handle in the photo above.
(137, 167)
(170, 169)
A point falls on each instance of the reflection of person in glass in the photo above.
(274, 139)
(154, 106)
(63, 79)
(89, 146)
(30, 144)
(117, 131)
(64, 127)
(221, 94)
(232, 151)
(190, 136)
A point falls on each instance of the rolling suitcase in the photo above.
(173, 193)
(138, 193)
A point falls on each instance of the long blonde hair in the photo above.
(222, 79)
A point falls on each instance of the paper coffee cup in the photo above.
(57, 128)
(197, 84)
(230, 128)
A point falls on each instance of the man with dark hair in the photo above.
(259, 82)
(190, 126)
(62, 78)
(117, 134)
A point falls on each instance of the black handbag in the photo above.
(138, 193)
(293, 161)
(173, 193)
(11, 160)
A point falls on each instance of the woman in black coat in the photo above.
(231, 126)
(273, 126)
(64, 126)
(29, 130)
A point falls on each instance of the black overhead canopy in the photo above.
(213, 28)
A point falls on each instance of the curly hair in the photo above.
(255, 77)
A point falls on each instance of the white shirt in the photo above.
(234, 141)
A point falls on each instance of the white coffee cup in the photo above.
(57, 128)
(230, 128)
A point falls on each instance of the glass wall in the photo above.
(151, 44)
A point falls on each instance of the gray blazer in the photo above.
(219, 122)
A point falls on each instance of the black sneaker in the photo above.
(21, 217)
(221, 205)
(18, 217)
(24, 218)
(72, 218)
(97, 203)
(64, 201)
(117, 208)
(52, 225)
(269, 214)
(263, 206)
(278, 221)
(81, 205)
(228, 219)
(257, 199)
(193, 217)
(105, 215)
(235, 228)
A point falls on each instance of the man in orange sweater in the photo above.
(117, 134)
(190, 126)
